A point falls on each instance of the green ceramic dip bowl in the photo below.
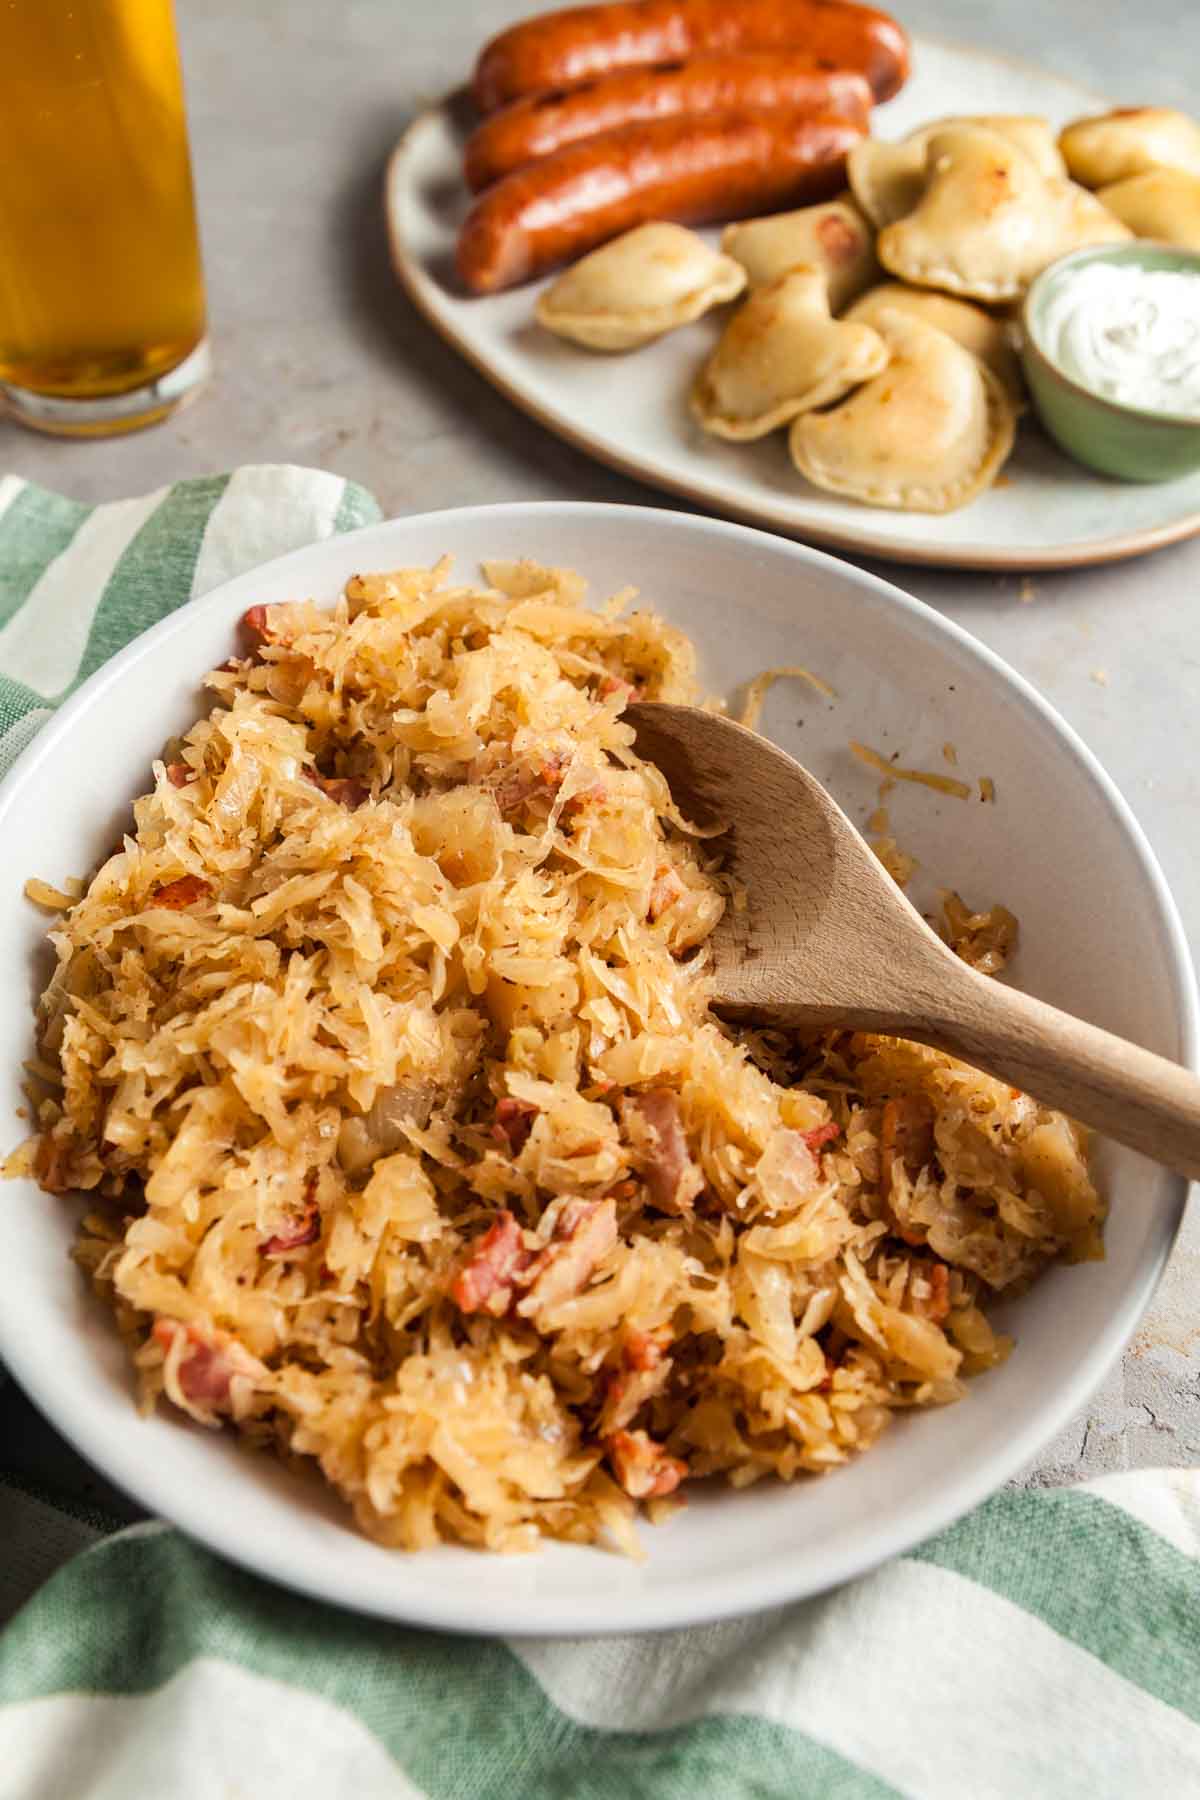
(1106, 434)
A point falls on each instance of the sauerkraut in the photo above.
(381, 1046)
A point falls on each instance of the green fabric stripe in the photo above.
(15, 701)
(462, 1717)
(1138, 1608)
(34, 529)
(357, 508)
(155, 572)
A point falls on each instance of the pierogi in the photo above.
(780, 355)
(928, 434)
(989, 220)
(637, 287)
(1130, 141)
(834, 238)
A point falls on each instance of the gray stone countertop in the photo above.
(319, 359)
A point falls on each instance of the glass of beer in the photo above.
(101, 289)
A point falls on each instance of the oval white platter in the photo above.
(630, 411)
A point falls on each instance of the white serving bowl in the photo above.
(1100, 936)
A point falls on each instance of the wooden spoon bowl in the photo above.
(826, 938)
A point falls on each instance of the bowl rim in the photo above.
(751, 1586)
(1032, 344)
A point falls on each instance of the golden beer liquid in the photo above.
(101, 289)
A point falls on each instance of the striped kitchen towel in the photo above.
(78, 581)
(1047, 1646)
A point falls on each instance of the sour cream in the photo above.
(1128, 334)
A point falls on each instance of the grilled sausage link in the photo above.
(746, 80)
(693, 170)
(563, 49)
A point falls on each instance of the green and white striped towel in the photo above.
(77, 581)
(1047, 1646)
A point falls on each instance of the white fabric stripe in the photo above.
(44, 641)
(10, 487)
(266, 510)
(215, 1731)
(21, 734)
(1165, 1501)
(143, 1529)
(933, 1683)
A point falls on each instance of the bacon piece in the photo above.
(937, 1307)
(522, 782)
(643, 1349)
(665, 890)
(304, 1229)
(643, 1467)
(206, 1367)
(672, 1178)
(596, 790)
(905, 1138)
(513, 1123)
(341, 788)
(255, 628)
(175, 895)
(178, 774)
(643, 1372)
(584, 1233)
(821, 1134)
(486, 1279)
(51, 1160)
(347, 792)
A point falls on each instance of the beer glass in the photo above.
(101, 289)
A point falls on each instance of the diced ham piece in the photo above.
(486, 1279)
(584, 1233)
(642, 1467)
(820, 1135)
(665, 890)
(905, 1138)
(341, 788)
(643, 1372)
(177, 894)
(206, 1367)
(513, 1123)
(672, 1178)
(178, 774)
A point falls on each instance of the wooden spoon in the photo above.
(827, 938)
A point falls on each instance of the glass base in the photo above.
(111, 413)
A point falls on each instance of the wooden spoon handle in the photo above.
(1103, 1081)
